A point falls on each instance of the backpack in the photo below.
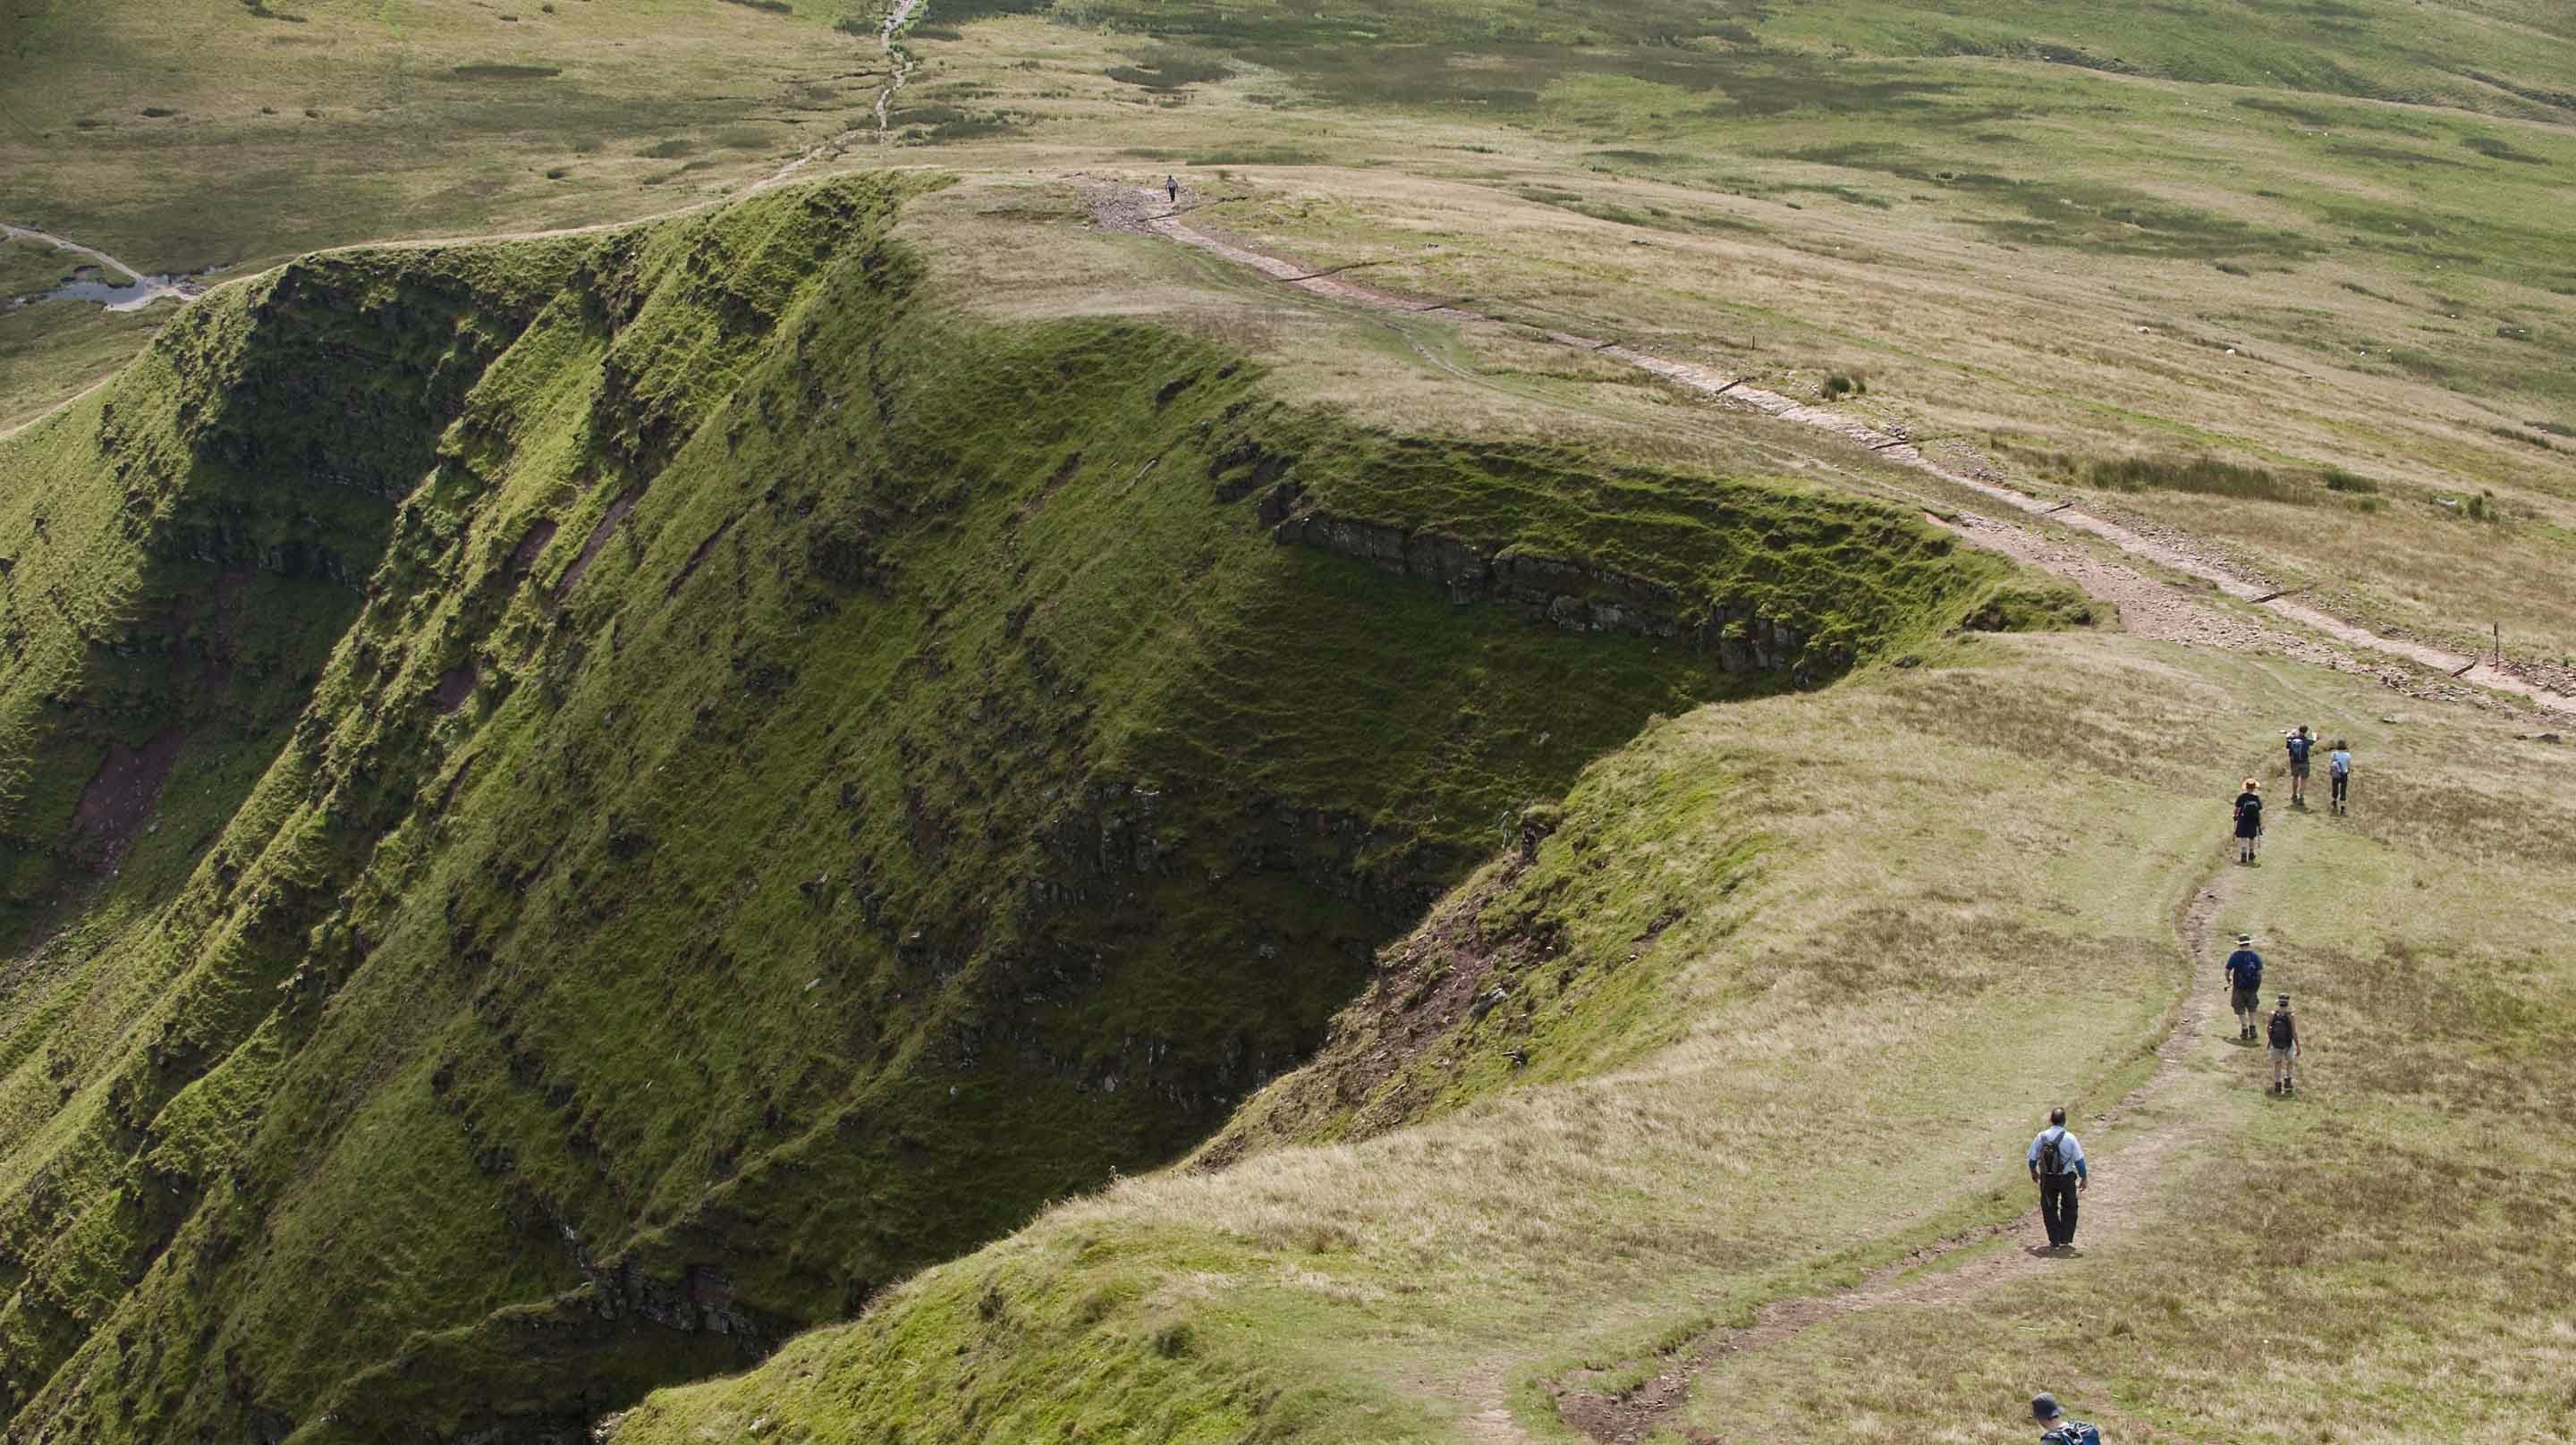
(2299, 749)
(2249, 809)
(2284, 1033)
(2073, 1432)
(2247, 976)
(2341, 763)
(2049, 1158)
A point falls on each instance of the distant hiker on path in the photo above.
(1172, 188)
(2058, 1430)
(2284, 1031)
(2245, 984)
(2339, 775)
(2057, 1167)
(2300, 744)
(2249, 820)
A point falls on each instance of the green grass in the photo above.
(1863, 946)
(1095, 797)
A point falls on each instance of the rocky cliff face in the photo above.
(1567, 594)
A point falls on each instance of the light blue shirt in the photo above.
(2069, 1153)
(2339, 761)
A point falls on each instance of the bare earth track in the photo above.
(2146, 606)
(1633, 1415)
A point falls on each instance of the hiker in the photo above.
(2057, 1167)
(2300, 744)
(1172, 187)
(2249, 820)
(2285, 1047)
(2245, 984)
(2058, 1429)
(2339, 775)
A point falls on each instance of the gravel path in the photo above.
(2145, 605)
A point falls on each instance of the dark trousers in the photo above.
(2057, 1206)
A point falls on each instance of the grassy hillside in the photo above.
(2311, 244)
(577, 807)
(1790, 1013)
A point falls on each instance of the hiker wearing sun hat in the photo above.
(2245, 984)
(2058, 1430)
(2249, 820)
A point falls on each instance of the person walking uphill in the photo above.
(2056, 1428)
(2245, 984)
(2299, 743)
(2057, 1167)
(2339, 776)
(2249, 820)
(2284, 1038)
(1172, 188)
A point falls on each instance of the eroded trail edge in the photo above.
(1145, 211)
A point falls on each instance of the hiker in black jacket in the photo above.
(2249, 820)
(2056, 1428)
(2284, 1038)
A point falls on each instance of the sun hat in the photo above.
(2245, 938)
(2252, 786)
(2043, 1407)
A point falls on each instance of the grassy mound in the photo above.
(579, 807)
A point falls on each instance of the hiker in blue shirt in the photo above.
(2300, 744)
(2245, 984)
(2339, 775)
(2057, 1167)
(2058, 1430)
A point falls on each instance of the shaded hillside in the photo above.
(663, 783)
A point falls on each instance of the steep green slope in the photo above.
(703, 783)
(1766, 1022)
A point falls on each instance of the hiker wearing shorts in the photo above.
(2249, 820)
(2057, 1166)
(2245, 984)
(2300, 743)
(2284, 1037)
(2058, 1430)
(2339, 775)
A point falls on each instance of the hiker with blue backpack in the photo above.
(2057, 1167)
(2245, 985)
(2059, 1430)
(2300, 743)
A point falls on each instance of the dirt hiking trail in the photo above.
(2146, 605)
(2132, 1161)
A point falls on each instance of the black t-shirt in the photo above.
(2249, 812)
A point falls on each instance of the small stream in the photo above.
(134, 293)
